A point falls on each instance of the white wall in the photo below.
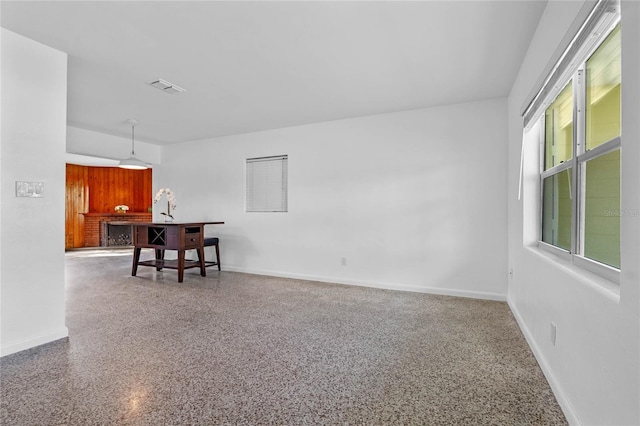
(96, 144)
(412, 200)
(594, 366)
(34, 86)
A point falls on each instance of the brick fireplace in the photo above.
(95, 225)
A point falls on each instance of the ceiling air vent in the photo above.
(165, 86)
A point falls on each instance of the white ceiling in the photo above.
(250, 66)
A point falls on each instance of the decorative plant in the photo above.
(122, 208)
(171, 201)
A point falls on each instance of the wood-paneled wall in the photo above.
(112, 186)
(99, 190)
(76, 202)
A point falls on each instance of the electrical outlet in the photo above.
(343, 261)
(553, 333)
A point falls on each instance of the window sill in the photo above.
(599, 284)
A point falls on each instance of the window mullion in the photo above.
(577, 210)
(557, 169)
(543, 124)
(599, 150)
(580, 117)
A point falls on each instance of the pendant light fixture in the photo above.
(132, 162)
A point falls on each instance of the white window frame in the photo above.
(602, 21)
(267, 184)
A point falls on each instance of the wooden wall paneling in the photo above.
(133, 184)
(148, 190)
(116, 189)
(69, 208)
(122, 190)
(139, 183)
(85, 207)
(92, 190)
(129, 179)
(95, 190)
(101, 194)
(102, 190)
(103, 178)
(143, 192)
(125, 191)
(149, 185)
(82, 208)
(99, 190)
(76, 202)
(111, 186)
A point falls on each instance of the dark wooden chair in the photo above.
(213, 241)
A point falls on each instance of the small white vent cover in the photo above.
(165, 86)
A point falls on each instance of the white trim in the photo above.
(602, 269)
(609, 19)
(556, 251)
(602, 149)
(374, 284)
(568, 38)
(595, 29)
(559, 168)
(566, 406)
(270, 158)
(598, 283)
(521, 174)
(33, 341)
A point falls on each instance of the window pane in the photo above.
(602, 209)
(603, 92)
(559, 129)
(556, 210)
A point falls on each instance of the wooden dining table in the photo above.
(162, 236)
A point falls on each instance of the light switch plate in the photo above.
(29, 189)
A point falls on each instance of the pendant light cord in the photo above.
(133, 153)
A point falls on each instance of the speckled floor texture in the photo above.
(235, 348)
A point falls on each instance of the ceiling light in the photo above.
(165, 86)
(132, 162)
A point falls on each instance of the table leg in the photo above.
(136, 259)
(203, 267)
(159, 256)
(180, 265)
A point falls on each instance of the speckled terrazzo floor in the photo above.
(234, 348)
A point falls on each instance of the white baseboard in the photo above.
(376, 284)
(33, 341)
(563, 401)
